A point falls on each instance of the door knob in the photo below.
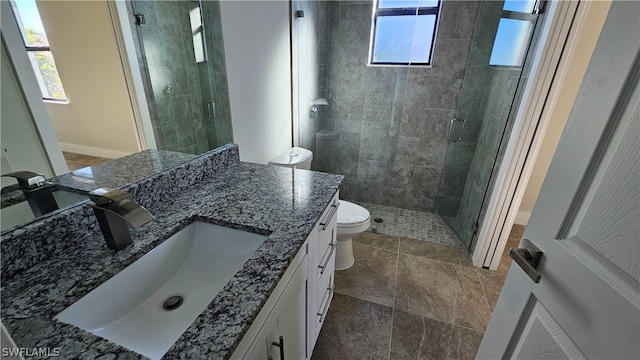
(527, 257)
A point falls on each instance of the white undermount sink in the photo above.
(195, 264)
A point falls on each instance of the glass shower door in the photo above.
(485, 111)
(183, 57)
(217, 108)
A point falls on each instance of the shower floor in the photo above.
(411, 224)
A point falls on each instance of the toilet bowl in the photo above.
(353, 220)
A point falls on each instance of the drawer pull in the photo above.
(280, 345)
(326, 262)
(327, 220)
(326, 304)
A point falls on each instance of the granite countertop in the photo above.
(281, 202)
(109, 174)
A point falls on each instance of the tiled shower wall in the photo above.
(309, 35)
(386, 127)
(166, 57)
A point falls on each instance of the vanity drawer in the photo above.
(324, 296)
(325, 280)
(327, 260)
(327, 240)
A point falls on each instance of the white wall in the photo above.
(24, 151)
(586, 43)
(98, 119)
(256, 42)
(22, 102)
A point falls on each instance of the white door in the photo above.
(586, 222)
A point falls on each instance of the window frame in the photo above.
(37, 48)
(403, 11)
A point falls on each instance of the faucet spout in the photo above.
(114, 210)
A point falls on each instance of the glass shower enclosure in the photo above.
(181, 55)
(488, 100)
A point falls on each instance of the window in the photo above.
(403, 32)
(37, 46)
(514, 33)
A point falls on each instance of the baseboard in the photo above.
(93, 151)
(522, 218)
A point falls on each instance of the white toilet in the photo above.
(353, 219)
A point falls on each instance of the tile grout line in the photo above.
(393, 303)
(453, 321)
(484, 294)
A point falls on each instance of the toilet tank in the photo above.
(296, 157)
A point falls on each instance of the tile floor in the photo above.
(411, 224)
(78, 161)
(409, 299)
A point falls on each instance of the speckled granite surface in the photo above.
(110, 173)
(11, 198)
(50, 265)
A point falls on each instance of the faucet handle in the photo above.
(104, 196)
(27, 179)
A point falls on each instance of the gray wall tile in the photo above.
(379, 86)
(368, 190)
(458, 19)
(447, 205)
(454, 177)
(399, 117)
(450, 58)
(395, 197)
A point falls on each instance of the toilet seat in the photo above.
(350, 214)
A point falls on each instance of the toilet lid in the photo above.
(350, 213)
(293, 156)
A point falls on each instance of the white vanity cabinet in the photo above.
(322, 255)
(288, 325)
(282, 336)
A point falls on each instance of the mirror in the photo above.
(21, 206)
(182, 60)
(18, 208)
(183, 68)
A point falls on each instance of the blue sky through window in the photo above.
(404, 31)
(30, 15)
(525, 6)
(386, 4)
(510, 45)
(404, 39)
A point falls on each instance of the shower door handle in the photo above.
(456, 129)
(211, 107)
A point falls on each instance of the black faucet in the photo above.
(36, 189)
(114, 210)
